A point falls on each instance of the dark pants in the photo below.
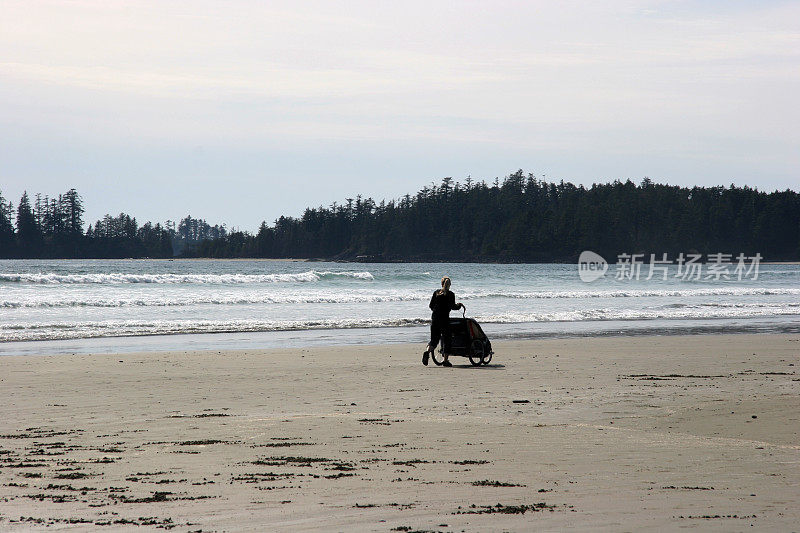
(440, 328)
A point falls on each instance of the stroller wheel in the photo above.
(477, 352)
(437, 357)
(487, 358)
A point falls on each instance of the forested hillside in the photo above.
(53, 228)
(525, 219)
(519, 218)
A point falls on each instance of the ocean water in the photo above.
(157, 304)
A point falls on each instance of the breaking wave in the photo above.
(641, 293)
(341, 297)
(41, 300)
(699, 312)
(221, 279)
(321, 296)
(127, 328)
(123, 328)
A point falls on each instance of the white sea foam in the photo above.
(345, 295)
(683, 313)
(222, 279)
(116, 328)
(215, 298)
(111, 328)
(634, 293)
(66, 300)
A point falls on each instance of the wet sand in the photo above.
(696, 432)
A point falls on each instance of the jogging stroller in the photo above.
(468, 340)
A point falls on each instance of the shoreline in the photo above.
(326, 260)
(622, 433)
(343, 337)
(412, 347)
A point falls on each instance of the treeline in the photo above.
(53, 228)
(526, 219)
(520, 218)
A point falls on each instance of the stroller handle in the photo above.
(463, 311)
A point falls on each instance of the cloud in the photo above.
(566, 81)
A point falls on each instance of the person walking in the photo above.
(442, 302)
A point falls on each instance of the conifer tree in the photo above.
(7, 247)
(29, 236)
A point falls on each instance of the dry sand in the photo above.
(617, 434)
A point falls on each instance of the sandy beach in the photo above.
(617, 434)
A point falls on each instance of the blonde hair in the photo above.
(445, 285)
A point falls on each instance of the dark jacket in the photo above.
(442, 304)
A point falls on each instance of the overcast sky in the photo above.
(240, 111)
